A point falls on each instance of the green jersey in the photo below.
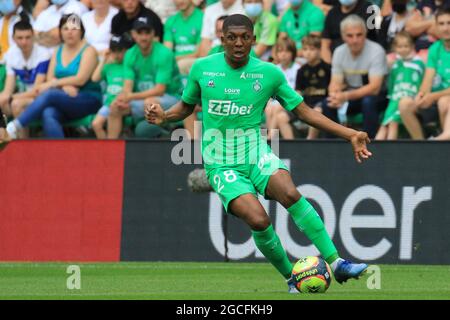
(439, 60)
(301, 22)
(159, 67)
(113, 75)
(266, 29)
(405, 78)
(184, 33)
(233, 102)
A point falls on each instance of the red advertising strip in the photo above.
(61, 200)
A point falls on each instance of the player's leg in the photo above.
(249, 209)
(238, 196)
(279, 186)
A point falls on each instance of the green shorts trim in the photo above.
(230, 182)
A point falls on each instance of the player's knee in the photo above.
(260, 222)
(291, 196)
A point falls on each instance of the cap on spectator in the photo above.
(142, 23)
(118, 43)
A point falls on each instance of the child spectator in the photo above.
(404, 82)
(277, 116)
(110, 70)
(313, 78)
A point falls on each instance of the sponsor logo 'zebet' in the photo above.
(226, 108)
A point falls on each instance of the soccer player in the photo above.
(234, 89)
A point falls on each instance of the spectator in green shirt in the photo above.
(301, 19)
(182, 33)
(111, 71)
(435, 87)
(151, 76)
(265, 26)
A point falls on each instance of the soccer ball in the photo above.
(311, 275)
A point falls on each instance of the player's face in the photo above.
(237, 42)
(24, 40)
(443, 26)
(355, 37)
(403, 47)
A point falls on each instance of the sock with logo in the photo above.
(268, 242)
(308, 221)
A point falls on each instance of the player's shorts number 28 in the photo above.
(229, 176)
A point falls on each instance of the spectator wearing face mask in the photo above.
(301, 19)
(265, 26)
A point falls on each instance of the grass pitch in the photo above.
(209, 281)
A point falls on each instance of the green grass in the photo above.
(211, 281)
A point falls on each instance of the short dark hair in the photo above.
(442, 11)
(22, 25)
(69, 17)
(237, 20)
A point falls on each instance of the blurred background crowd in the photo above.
(86, 68)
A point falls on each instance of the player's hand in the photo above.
(154, 113)
(359, 143)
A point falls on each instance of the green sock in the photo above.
(308, 221)
(269, 244)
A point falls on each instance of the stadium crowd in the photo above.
(68, 66)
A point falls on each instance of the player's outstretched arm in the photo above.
(155, 114)
(358, 139)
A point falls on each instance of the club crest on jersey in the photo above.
(211, 84)
(257, 86)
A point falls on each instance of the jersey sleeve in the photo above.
(192, 92)
(284, 93)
